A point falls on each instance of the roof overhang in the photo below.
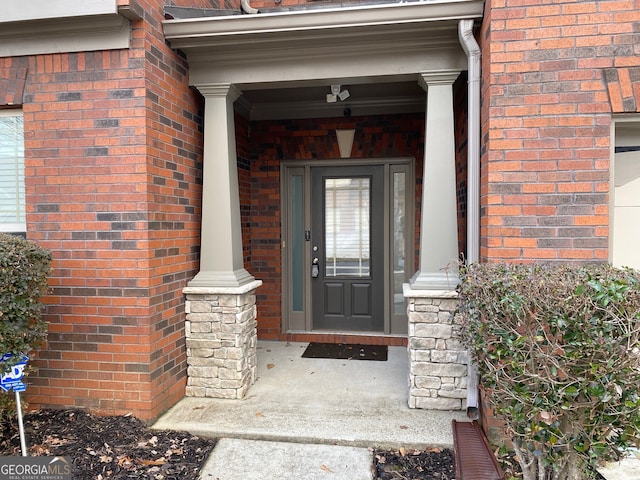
(55, 26)
(191, 32)
(379, 43)
(351, 33)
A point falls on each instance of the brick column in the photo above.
(437, 359)
(221, 340)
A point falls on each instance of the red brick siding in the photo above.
(460, 99)
(546, 119)
(13, 76)
(271, 4)
(195, 3)
(623, 86)
(113, 173)
(244, 154)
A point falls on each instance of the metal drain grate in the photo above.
(474, 458)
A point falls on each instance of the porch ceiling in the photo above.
(284, 62)
(310, 101)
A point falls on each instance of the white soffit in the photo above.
(303, 45)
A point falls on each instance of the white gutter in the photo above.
(471, 48)
(412, 16)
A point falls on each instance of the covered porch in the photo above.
(278, 68)
(320, 401)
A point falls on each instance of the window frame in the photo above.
(20, 226)
(619, 124)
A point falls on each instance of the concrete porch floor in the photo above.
(334, 402)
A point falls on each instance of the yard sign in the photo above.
(12, 380)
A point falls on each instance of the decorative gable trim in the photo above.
(12, 82)
(623, 86)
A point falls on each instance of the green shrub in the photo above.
(24, 269)
(558, 354)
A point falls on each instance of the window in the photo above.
(626, 196)
(12, 215)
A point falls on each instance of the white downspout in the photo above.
(471, 48)
(246, 8)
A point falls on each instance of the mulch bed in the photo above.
(123, 447)
(108, 447)
(432, 464)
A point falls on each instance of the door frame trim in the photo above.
(305, 318)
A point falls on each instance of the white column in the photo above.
(439, 225)
(221, 262)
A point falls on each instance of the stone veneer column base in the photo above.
(437, 359)
(221, 331)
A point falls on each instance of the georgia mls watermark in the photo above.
(35, 468)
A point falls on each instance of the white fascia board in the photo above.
(211, 31)
(28, 10)
(33, 27)
(82, 34)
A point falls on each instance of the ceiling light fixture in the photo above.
(337, 93)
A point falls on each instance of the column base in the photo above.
(234, 278)
(221, 340)
(435, 281)
(437, 360)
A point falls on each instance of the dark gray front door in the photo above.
(347, 284)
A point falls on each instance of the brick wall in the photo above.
(244, 154)
(546, 117)
(271, 4)
(113, 173)
(461, 118)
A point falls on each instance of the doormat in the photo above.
(346, 351)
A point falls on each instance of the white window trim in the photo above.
(13, 227)
(621, 120)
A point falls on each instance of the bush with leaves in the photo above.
(24, 270)
(558, 355)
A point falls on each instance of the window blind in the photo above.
(12, 201)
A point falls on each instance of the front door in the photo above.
(347, 244)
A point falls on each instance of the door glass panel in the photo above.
(297, 237)
(347, 232)
(399, 228)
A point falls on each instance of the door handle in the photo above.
(315, 268)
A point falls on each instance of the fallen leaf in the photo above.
(148, 463)
(404, 427)
(403, 451)
(270, 366)
(259, 414)
(326, 469)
